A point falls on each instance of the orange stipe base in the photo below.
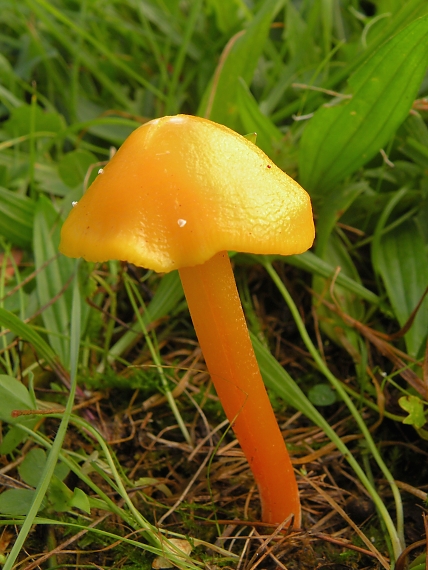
(220, 325)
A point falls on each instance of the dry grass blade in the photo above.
(370, 546)
(327, 448)
(186, 490)
(379, 340)
(401, 561)
(61, 547)
(266, 550)
(408, 323)
(343, 543)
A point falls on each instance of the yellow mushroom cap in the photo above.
(179, 190)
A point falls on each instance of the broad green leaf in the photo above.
(16, 217)
(54, 272)
(322, 395)
(416, 151)
(414, 126)
(268, 135)
(420, 566)
(32, 466)
(15, 502)
(48, 179)
(331, 211)
(74, 166)
(110, 129)
(220, 103)
(415, 408)
(59, 496)
(228, 14)
(34, 463)
(21, 119)
(402, 261)
(80, 500)
(370, 205)
(415, 141)
(340, 139)
(298, 33)
(14, 396)
(12, 439)
(400, 14)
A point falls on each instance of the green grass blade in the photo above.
(333, 207)
(253, 120)
(168, 296)
(133, 295)
(51, 277)
(16, 217)
(27, 333)
(240, 57)
(95, 44)
(396, 534)
(279, 381)
(172, 105)
(402, 261)
(407, 13)
(330, 322)
(340, 139)
(311, 263)
(59, 438)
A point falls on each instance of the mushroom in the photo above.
(180, 193)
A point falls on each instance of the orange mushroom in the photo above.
(179, 193)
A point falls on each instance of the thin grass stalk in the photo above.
(133, 517)
(132, 292)
(6, 358)
(171, 104)
(396, 533)
(54, 453)
(190, 565)
(32, 157)
(104, 502)
(104, 50)
(108, 335)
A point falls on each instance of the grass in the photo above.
(128, 434)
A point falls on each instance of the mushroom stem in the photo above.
(222, 332)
